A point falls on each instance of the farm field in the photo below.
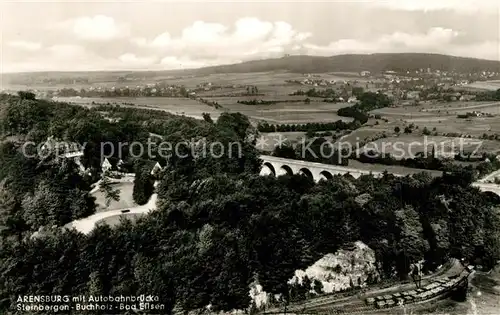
(260, 79)
(256, 78)
(271, 139)
(367, 132)
(279, 89)
(462, 107)
(179, 106)
(289, 113)
(475, 127)
(229, 100)
(281, 113)
(438, 110)
(443, 117)
(485, 85)
(289, 116)
(271, 86)
(407, 146)
(391, 168)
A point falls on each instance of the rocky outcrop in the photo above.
(346, 268)
(342, 270)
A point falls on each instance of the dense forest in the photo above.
(219, 226)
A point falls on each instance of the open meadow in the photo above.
(443, 117)
(257, 78)
(290, 113)
(395, 169)
(491, 85)
(174, 105)
(272, 86)
(228, 89)
(126, 200)
(474, 127)
(409, 145)
(438, 110)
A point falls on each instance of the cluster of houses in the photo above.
(150, 89)
(205, 86)
(109, 165)
(116, 166)
(64, 150)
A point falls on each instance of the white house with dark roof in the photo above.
(157, 168)
(66, 150)
(106, 165)
(352, 99)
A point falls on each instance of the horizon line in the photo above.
(246, 61)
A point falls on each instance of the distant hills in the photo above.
(375, 63)
(355, 63)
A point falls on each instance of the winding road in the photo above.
(86, 225)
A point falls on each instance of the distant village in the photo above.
(403, 87)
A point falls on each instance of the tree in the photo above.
(207, 118)
(11, 220)
(357, 91)
(219, 223)
(286, 151)
(310, 133)
(491, 248)
(235, 122)
(25, 95)
(416, 274)
(106, 188)
(410, 245)
(397, 129)
(94, 285)
(318, 286)
(143, 185)
(44, 208)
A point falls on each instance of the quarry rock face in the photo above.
(336, 272)
(342, 270)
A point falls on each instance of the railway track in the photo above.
(435, 286)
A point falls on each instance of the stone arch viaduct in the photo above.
(488, 187)
(276, 166)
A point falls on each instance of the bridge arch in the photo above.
(349, 175)
(492, 196)
(306, 172)
(285, 170)
(325, 175)
(488, 188)
(283, 166)
(267, 169)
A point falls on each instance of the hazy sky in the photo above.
(110, 35)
